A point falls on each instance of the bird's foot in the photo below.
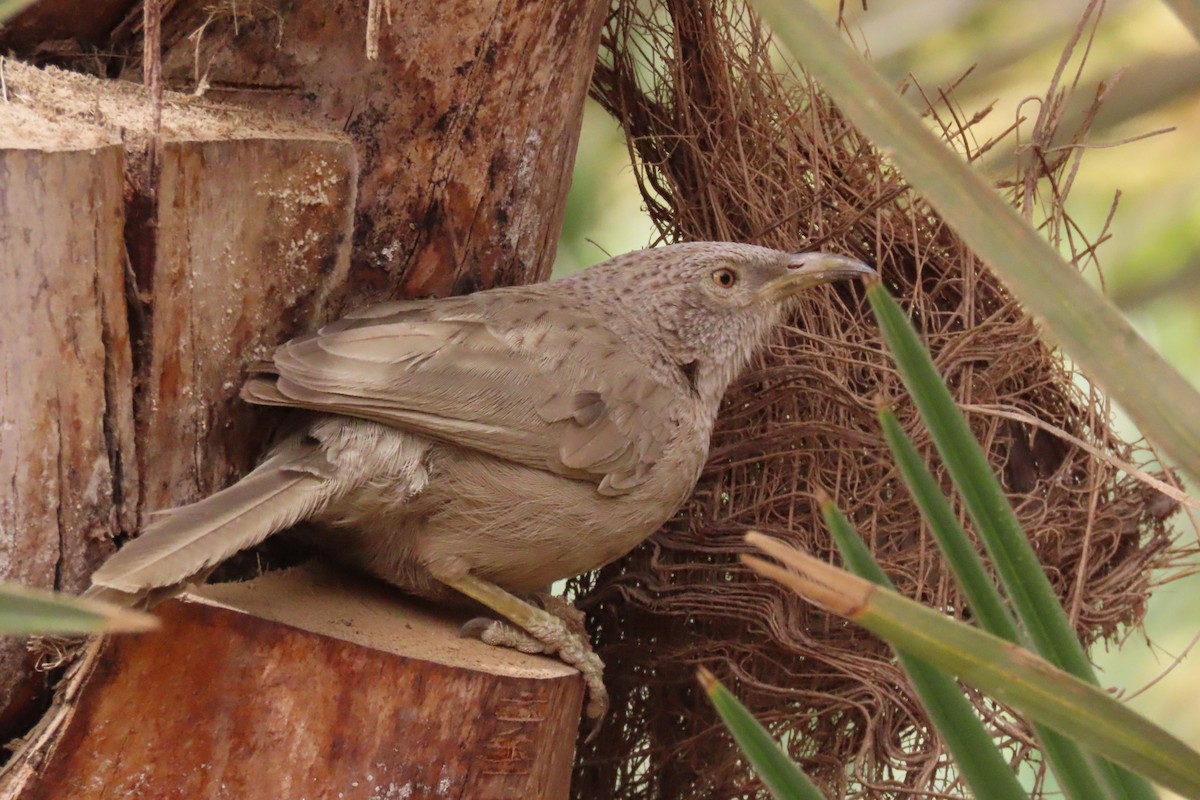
(501, 634)
(562, 608)
(558, 629)
(555, 637)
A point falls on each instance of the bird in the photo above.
(485, 446)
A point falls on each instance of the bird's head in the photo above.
(712, 304)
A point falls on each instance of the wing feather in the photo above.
(555, 390)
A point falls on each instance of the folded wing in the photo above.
(543, 386)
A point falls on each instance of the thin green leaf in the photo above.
(1033, 598)
(979, 760)
(1082, 778)
(33, 611)
(1087, 326)
(985, 601)
(1036, 605)
(777, 772)
(1010, 674)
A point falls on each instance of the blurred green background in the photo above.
(1150, 265)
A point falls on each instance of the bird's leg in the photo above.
(564, 610)
(538, 628)
(501, 634)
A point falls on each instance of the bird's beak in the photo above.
(811, 269)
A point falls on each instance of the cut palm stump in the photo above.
(304, 684)
(66, 418)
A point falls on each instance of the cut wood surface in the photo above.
(240, 240)
(250, 238)
(240, 246)
(333, 181)
(303, 684)
(66, 424)
(466, 123)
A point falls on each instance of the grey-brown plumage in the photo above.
(512, 437)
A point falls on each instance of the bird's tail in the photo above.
(293, 483)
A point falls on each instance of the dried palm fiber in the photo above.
(726, 147)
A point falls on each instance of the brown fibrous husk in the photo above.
(727, 146)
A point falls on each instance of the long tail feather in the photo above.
(289, 486)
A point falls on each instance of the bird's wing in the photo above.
(552, 389)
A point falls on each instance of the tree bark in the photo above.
(298, 685)
(466, 124)
(58, 28)
(441, 167)
(251, 240)
(238, 228)
(66, 425)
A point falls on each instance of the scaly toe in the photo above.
(501, 634)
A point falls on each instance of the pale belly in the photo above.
(518, 527)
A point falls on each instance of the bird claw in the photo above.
(558, 628)
(572, 647)
(596, 711)
(474, 628)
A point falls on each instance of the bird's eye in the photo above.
(725, 278)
